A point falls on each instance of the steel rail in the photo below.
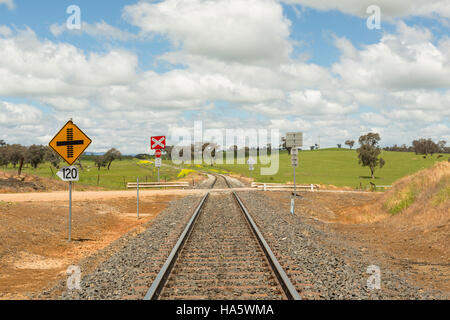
(163, 275)
(281, 275)
(226, 181)
(214, 183)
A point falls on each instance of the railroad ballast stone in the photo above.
(141, 255)
(322, 258)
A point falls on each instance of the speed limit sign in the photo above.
(69, 174)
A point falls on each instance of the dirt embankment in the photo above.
(12, 183)
(407, 226)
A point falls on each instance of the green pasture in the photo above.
(123, 171)
(337, 167)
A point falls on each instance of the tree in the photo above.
(3, 156)
(168, 152)
(425, 147)
(339, 145)
(350, 143)
(369, 152)
(100, 161)
(35, 155)
(16, 153)
(2, 143)
(52, 157)
(111, 155)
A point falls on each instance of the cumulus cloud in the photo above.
(230, 54)
(408, 59)
(389, 8)
(33, 67)
(13, 114)
(231, 30)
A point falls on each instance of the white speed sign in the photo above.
(69, 174)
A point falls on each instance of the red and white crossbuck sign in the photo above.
(158, 143)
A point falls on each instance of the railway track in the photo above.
(221, 254)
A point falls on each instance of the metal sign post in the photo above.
(158, 164)
(137, 198)
(294, 162)
(294, 140)
(70, 211)
(69, 174)
(70, 143)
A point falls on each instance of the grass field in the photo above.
(338, 167)
(120, 172)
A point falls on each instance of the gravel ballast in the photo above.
(328, 265)
(114, 278)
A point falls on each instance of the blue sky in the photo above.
(164, 70)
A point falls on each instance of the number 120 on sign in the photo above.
(69, 174)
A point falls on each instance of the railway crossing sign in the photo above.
(70, 142)
(158, 143)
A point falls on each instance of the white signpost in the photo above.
(69, 174)
(294, 140)
(158, 143)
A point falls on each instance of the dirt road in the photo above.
(96, 195)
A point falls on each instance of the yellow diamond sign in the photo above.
(70, 143)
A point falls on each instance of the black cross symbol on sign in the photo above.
(69, 143)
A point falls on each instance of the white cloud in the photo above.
(33, 67)
(374, 119)
(9, 3)
(100, 30)
(247, 31)
(14, 114)
(247, 66)
(406, 60)
(389, 8)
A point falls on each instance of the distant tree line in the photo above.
(18, 156)
(422, 146)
